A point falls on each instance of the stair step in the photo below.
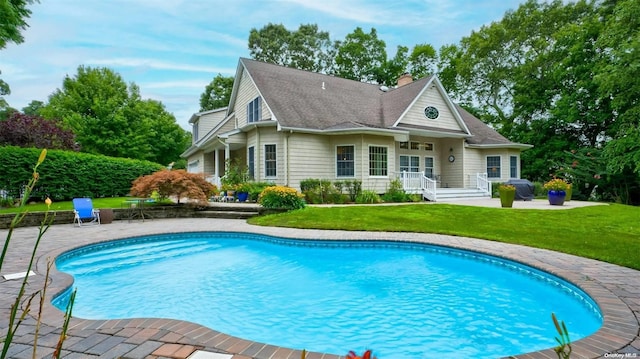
(459, 193)
(226, 214)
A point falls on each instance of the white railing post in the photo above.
(428, 187)
(483, 183)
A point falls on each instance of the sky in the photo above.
(172, 49)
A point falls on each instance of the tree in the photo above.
(33, 108)
(422, 60)
(34, 131)
(217, 93)
(306, 48)
(269, 44)
(360, 56)
(617, 79)
(13, 15)
(109, 117)
(174, 183)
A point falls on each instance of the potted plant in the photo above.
(507, 195)
(556, 191)
(242, 191)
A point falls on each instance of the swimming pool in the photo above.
(400, 299)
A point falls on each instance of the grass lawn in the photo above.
(608, 233)
(111, 202)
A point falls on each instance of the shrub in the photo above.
(281, 197)
(320, 191)
(67, 174)
(34, 131)
(255, 188)
(174, 183)
(395, 193)
(368, 196)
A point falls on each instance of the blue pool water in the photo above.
(399, 299)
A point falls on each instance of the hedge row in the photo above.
(66, 174)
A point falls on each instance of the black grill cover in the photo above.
(524, 189)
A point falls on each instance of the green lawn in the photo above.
(608, 233)
(111, 202)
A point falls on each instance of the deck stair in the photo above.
(460, 193)
(228, 211)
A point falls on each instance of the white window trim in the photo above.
(410, 157)
(517, 166)
(265, 160)
(433, 168)
(486, 165)
(369, 162)
(259, 104)
(335, 155)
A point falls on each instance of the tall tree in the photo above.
(618, 80)
(422, 60)
(109, 117)
(306, 48)
(13, 15)
(217, 93)
(360, 56)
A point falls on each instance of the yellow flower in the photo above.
(43, 154)
(48, 201)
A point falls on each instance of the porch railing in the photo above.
(411, 181)
(417, 182)
(429, 188)
(483, 183)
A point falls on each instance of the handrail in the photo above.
(428, 186)
(483, 183)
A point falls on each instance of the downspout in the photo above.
(286, 157)
(256, 158)
(362, 160)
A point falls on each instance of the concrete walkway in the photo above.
(616, 289)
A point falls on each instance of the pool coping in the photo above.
(615, 289)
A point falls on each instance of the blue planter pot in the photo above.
(242, 196)
(556, 198)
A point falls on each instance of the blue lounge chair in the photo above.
(84, 212)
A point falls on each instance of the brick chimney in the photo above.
(404, 79)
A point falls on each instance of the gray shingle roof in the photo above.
(308, 100)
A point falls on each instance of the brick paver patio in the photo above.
(616, 289)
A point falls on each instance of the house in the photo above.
(288, 125)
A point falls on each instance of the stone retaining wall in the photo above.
(63, 217)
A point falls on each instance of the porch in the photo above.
(431, 190)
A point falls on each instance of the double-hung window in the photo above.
(428, 167)
(493, 167)
(270, 163)
(345, 161)
(253, 110)
(409, 163)
(378, 161)
(513, 166)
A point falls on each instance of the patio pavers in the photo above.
(615, 288)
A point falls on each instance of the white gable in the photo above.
(247, 92)
(433, 96)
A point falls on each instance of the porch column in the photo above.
(227, 154)
(216, 158)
